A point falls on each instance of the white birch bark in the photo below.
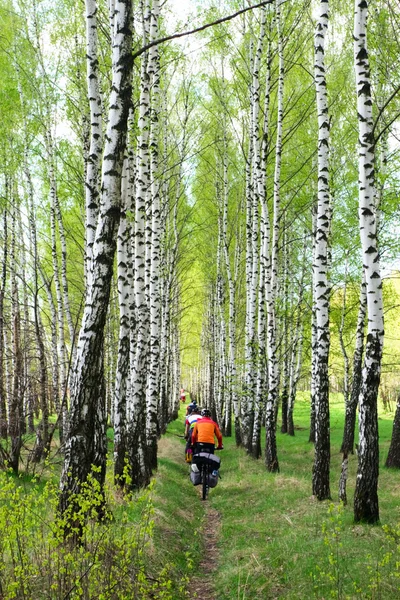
(247, 401)
(366, 507)
(297, 343)
(3, 282)
(321, 488)
(313, 327)
(271, 457)
(124, 282)
(139, 467)
(61, 350)
(92, 180)
(346, 362)
(351, 406)
(232, 396)
(152, 391)
(15, 412)
(287, 302)
(220, 392)
(86, 443)
(259, 199)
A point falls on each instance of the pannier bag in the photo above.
(208, 459)
(213, 479)
(195, 475)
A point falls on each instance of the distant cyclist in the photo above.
(191, 419)
(191, 406)
(204, 432)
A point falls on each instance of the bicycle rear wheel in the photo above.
(205, 486)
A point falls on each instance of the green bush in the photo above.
(38, 560)
(334, 576)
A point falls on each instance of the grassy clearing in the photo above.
(277, 541)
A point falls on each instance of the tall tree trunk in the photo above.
(260, 244)
(366, 507)
(152, 391)
(297, 345)
(271, 454)
(138, 458)
(15, 416)
(3, 402)
(125, 275)
(314, 336)
(232, 399)
(321, 487)
(346, 363)
(93, 172)
(286, 354)
(248, 397)
(351, 406)
(86, 443)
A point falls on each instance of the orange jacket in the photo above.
(204, 431)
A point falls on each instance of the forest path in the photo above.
(201, 584)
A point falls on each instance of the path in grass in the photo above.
(201, 586)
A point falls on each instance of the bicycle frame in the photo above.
(205, 484)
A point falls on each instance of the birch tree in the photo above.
(321, 487)
(138, 458)
(366, 507)
(86, 442)
(271, 457)
(93, 169)
(152, 390)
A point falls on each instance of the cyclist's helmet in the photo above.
(206, 412)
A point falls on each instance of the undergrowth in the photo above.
(112, 560)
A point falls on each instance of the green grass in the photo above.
(277, 541)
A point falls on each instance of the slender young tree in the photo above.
(351, 405)
(93, 169)
(152, 389)
(15, 409)
(3, 281)
(125, 276)
(321, 487)
(271, 277)
(366, 506)
(138, 456)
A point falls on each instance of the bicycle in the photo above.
(208, 465)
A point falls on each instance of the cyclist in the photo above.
(191, 419)
(204, 431)
(190, 407)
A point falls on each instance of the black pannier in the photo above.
(204, 458)
(195, 478)
(212, 480)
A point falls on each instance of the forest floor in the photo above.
(263, 536)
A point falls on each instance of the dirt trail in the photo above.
(201, 586)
